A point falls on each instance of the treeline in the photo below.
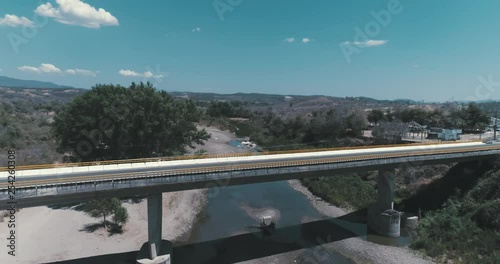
(217, 109)
(25, 127)
(323, 128)
(469, 117)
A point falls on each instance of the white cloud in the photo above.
(306, 40)
(28, 68)
(197, 29)
(129, 73)
(147, 74)
(76, 12)
(81, 72)
(290, 40)
(43, 68)
(15, 21)
(366, 44)
(50, 68)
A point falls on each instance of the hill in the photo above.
(18, 83)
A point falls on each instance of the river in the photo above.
(232, 210)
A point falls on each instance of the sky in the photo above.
(386, 49)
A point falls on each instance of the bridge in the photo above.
(38, 185)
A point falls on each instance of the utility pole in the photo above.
(495, 129)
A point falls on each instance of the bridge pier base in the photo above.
(382, 217)
(156, 250)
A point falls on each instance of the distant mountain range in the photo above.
(249, 97)
(17, 83)
(273, 98)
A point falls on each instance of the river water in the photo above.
(236, 210)
(232, 211)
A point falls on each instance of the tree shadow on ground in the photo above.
(112, 228)
(91, 228)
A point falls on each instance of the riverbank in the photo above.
(357, 249)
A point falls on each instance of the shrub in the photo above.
(488, 215)
(344, 190)
(446, 234)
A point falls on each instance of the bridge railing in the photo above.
(210, 156)
(60, 186)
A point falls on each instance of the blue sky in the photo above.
(427, 50)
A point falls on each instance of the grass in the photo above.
(347, 191)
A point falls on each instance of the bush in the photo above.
(344, 191)
(488, 215)
(446, 234)
(488, 188)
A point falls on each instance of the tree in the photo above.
(389, 132)
(355, 122)
(375, 116)
(103, 208)
(114, 122)
(389, 115)
(475, 118)
(120, 216)
(414, 114)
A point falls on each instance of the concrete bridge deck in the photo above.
(36, 187)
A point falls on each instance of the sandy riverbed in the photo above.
(46, 235)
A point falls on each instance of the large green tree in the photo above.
(475, 118)
(375, 116)
(114, 122)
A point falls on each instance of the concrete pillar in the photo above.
(385, 187)
(154, 221)
(381, 216)
(156, 250)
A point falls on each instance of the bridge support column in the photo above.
(382, 217)
(154, 220)
(156, 250)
